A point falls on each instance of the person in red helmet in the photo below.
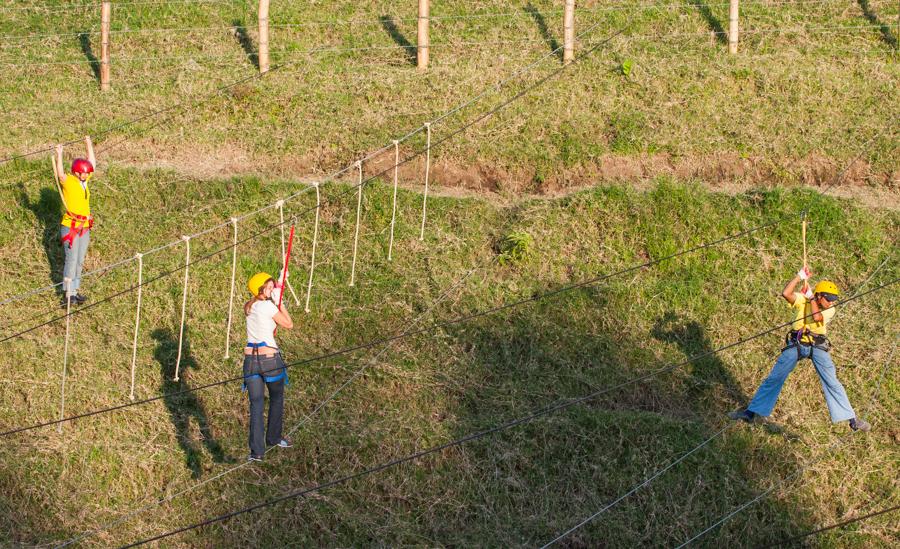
(77, 220)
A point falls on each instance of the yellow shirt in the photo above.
(804, 317)
(76, 199)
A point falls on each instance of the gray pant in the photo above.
(74, 259)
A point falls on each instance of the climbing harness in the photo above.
(80, 224)
(796, 338)
(259, 374)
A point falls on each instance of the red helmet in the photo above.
(80, 165)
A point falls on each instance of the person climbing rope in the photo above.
(264, 366)
(77, 220)
(806, 339)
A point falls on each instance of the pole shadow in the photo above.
(243, 38)
(387, 22)
(48, 212)
(714, 24)
(85, 39)
(183, 407)
(872, 17)
(552, 42)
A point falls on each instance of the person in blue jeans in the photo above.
(807, 339)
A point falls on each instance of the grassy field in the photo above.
(649, 123)
(813, 83)
(519, 487)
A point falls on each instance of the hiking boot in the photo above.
(742, 415)
(860, 425)
(79, 299)
(254, 457)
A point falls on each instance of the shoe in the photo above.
(860, 425)
(79, 299)
(284, 443)
(742, 415)
(253, 457)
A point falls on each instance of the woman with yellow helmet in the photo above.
(77, 221)
(807, 339)
(264, 367)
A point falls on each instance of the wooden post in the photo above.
(105, 17)
(422, 50)
(733, 26)
(263, 16)
(569, 32)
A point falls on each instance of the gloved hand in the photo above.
(281, 276)
(804, 273)
(276, 295)
(808, 293)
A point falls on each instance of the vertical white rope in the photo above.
(359, 187)
(67, 283)
(234, 223)
(312, 257)
(427, 173)
(394, 208)
(187, 263)
(280, 205)
(137, 320)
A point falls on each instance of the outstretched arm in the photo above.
(58, 165)
(90, 151)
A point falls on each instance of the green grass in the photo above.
(517, 488)
(797, 105)
(790, 95)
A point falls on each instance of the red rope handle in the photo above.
(284, 270)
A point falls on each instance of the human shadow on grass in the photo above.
(387, 22)
(714, 24)
(85, 39)
(538, 17)
(873, 18)
(243, 38)
(184, 407)
(48, 212)
(573, 461)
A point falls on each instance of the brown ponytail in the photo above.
(249, 304)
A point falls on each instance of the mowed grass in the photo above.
(519, 487)
(812, 80)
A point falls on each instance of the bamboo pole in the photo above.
(733, 26)
(105, 18)
(569, 32)
(422, 35)
(263, 16)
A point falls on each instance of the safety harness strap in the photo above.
(86, 222)
(268, 379)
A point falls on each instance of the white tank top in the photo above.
(261, 323)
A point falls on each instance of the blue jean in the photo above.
(835, 396)
(255, 367)
(74, 258)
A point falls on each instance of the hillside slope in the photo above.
(519, 487)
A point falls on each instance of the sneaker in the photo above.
(860, 425)
(742, 415)
(284, 443)
(79, 299)
(254, 457)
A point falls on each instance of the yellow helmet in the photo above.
(826, 287)
(257, 281)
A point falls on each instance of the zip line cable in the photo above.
(791, 540)
(303, 420)
(483, 433)
(803, 468)
(638, 486)
(698, 447)
(397, 19)
(387, 339)
(487, 90)
(238, 57)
